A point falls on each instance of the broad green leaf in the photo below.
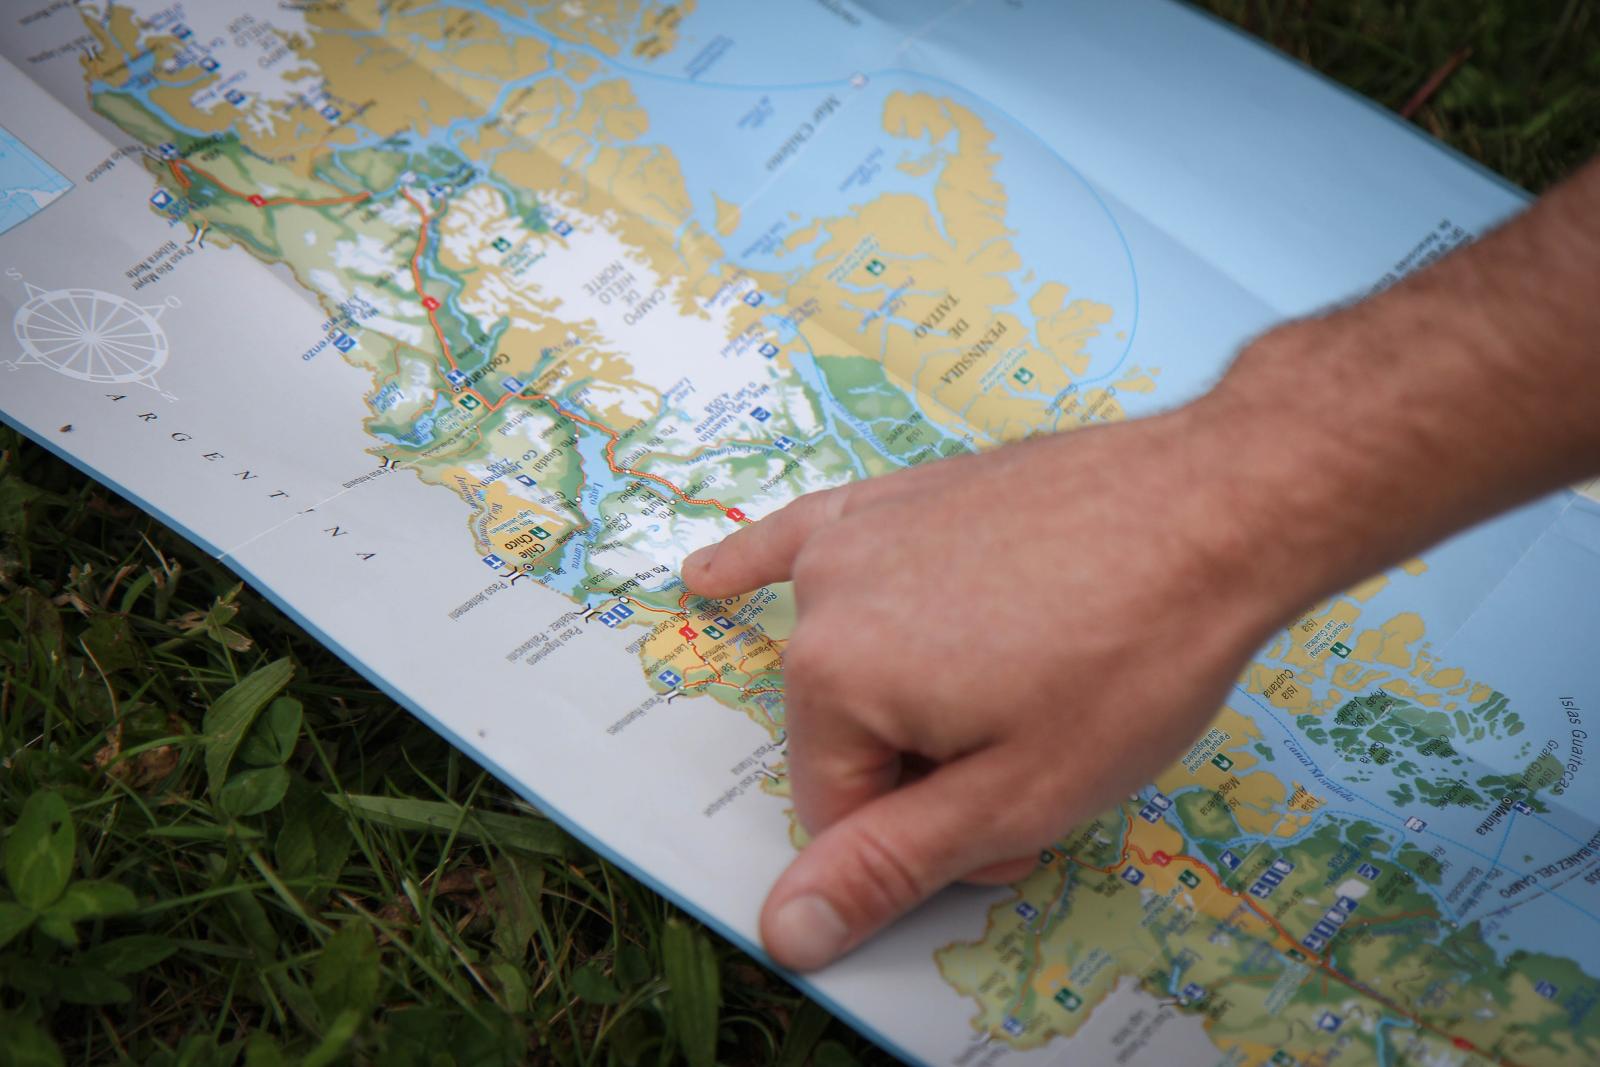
(253, 792)
(38, 854)
(347, 972)
(294, 848)
(524, 833)
(513, 986)
(253, 923)
(315, 840)
(805, 1029)
(14, 918)
(334, 1039)
(127, 955)
(262, 1051)
(22, 1044)
(57, 928)
(229, 719)
(518, 884)
(92, 899)
(694, 997)
(591, 984)
(85, 985)
(109, 639)
(271, 740)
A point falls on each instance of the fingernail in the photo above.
(700, 557)
(807, 933)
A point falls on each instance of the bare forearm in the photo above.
(1368, 434)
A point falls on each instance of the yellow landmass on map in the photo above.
(921, 287)
(727, 215)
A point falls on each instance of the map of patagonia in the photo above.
(454, 326)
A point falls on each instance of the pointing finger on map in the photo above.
(764, 552)
(1046, 626)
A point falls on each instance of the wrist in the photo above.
(1330, 473)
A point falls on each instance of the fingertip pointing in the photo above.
(696, 566)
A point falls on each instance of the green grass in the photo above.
(1525, 101)
(336, 884)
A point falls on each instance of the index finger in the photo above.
(764, 551)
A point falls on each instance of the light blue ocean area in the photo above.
(27, 183)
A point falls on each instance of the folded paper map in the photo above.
(454, 326)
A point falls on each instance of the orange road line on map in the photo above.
(718, 680)
(178, 166)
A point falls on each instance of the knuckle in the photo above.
(805, 661)
(811, 562)
(1027, 809)
(880, 877)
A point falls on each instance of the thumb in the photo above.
(887, 857)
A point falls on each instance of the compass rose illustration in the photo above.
(91, 335)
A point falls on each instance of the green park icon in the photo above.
(1221, 762)
(875, 267)
(541, 533)
(469, 401)
(1022, 376)
(1068, 999)
(1340, 649)
(1281, 1058)
(1189, 878)
(711, 632)
(501, 244)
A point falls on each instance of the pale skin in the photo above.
(935, 736)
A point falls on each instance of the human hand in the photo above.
(990, 649)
